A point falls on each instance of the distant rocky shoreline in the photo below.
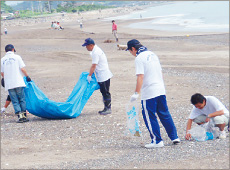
(66, 17)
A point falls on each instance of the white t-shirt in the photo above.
(147, 63)
(212, 105)
(102, 69)
(11, 65)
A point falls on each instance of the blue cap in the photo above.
(88, 41)
(132, 43)
(9, 47)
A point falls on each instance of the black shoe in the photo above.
(101, 111)
(105, 111)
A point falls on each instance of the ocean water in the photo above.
(191, 16)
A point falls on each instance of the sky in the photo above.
(12, 2)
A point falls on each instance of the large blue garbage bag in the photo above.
(37, 103)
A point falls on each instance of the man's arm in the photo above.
(214, 114)
(24, 71)
(2, 74)
(189, 125)
(92, 69)
(140, 78)
(217, 113)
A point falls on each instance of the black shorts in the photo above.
(8, 98)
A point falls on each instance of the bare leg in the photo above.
(7, 103)
(221, 126)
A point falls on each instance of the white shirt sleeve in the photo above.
(139, 67)
(216, 103)
(20, 62)
(95, 59)
(194, 113)
(2, 67)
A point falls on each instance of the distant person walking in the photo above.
(114, 30)
(5, 30)
(103, 73)
(153, 99)
(12, 70)
(81, 24)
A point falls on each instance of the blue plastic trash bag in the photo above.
(37, 103)
(132, 118)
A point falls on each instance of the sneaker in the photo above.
(25, 117)
(222, 135)
(105, 111)
(154, 145)
(176, 141)
(25, 120)
(20, 118)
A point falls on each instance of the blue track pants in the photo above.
(149, 109)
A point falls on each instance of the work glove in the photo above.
(134, 97)
(89, 78)
(3, 110)
(28, 79)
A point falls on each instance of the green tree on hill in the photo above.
(6, 8)
(70, 7)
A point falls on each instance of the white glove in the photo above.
(89, 78)
(134, 97)
(3, 110)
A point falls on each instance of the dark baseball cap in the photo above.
(9, 47)
(88, 41)
(132, 43)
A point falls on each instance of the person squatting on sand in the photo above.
(56, 25)
(153, 96)
(12, 70)
(206, 108)
(102, 71)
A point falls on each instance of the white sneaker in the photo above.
(176, 141)
(154, 145)
(222, 134)
(3, 110)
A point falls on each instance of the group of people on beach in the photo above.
(56, 25)
(149, 87)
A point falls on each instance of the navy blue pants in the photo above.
(149, 109)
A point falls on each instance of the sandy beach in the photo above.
(55, 59)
